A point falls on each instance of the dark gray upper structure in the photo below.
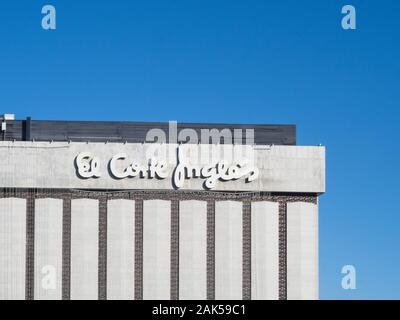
(133, 132)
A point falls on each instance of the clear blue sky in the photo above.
(237, 62)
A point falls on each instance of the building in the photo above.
(86, 213)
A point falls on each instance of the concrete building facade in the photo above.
(107, 219)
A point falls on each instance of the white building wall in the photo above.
(264, 250)
(156, 249)
(228, 250)
(84, 249)
(48, 249)
(12, 246)
(281, 168)
(302, 250)
(192, 250)
(121, 250)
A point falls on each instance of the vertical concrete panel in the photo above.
(121, 250)
(193, 250)
(12, 248)
(302, 250)
(84, 249)
(156, 249)
(48, 249)
(264, 250)
(228, 250)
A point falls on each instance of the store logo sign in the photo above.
(89, 166)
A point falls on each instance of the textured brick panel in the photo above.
(246, 250)
(102, 273)
(174, 250)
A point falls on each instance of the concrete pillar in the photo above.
(156, 249)
(193, 250)
(121, 250)
(12, 248)
(228, 250)
(84, 249)
(302, 250)
(264, 250)
(48, 249)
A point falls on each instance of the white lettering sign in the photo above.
(87, 165)
(212, 173)
(120, 167)
(154, 169)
